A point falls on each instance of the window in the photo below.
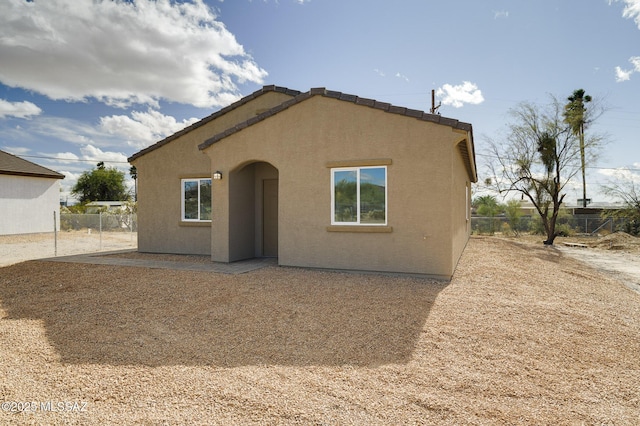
(466, 200)
(359, 196)
(196, 199)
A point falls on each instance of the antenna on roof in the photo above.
(434, 107)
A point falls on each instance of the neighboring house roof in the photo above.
(257, 93)
(12, 165)
(469, 157)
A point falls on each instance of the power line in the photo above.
(631, 169)
(97, 160)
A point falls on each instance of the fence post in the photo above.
(55, 235)
(100, 231)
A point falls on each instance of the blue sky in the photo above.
(83, 81)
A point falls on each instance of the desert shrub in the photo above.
(506, 229)
(563, 224)
(564, 230)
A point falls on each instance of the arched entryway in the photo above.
(253, 211)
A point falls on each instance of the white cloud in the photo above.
(379, 72)
(137, 130)
(623, 173)
(92, 153)
(70, 177)
(66, 158)
(16, 150)
(143, 128)
(64, 129)
(402, 76)
(122, 52)
(624, 75)
(500, 14)
(631, 10)
(18, 109)
(457, 96)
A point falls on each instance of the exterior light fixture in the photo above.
(217, 175)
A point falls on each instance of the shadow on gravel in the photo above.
(541, 251)
(100, 314)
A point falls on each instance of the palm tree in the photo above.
(134, 175)
(488, 206)
(575, 117)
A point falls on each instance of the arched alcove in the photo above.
(253, 211)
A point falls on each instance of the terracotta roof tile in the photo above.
(382, 105)
(397, 110)
(348, 98)
(365, 102)
(321, 91)
(414, 113)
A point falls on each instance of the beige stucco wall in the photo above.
(460, 204)
(424, 174)
(160, 229)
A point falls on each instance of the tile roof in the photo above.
(321, 91)
(257, 93)
(12, 165)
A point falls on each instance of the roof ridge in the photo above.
(322, 91)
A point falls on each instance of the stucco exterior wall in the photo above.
(160, 229)
(460, 205)
(27, 204)
(303, 142)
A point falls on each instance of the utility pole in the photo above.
(434, 107)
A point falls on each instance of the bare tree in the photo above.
(538, 158)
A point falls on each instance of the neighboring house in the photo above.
(95, 207)
(318, 179)
(29, 196)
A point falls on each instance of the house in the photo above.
(29, 196)
(95, 207)
(318, 179)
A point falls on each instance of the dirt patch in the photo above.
(523, 334)
(18, 248)
(617, 241)
(187, 258)
(616, 255)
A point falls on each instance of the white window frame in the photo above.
(358, 173)
(466, 201)
(182, 199)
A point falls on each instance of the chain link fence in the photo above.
(97, 232)
(99, 222)
(76, 234)
(566, 225)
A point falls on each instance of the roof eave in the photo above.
(53, 175)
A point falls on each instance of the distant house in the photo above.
(109, 206)
(319, 179)
(29, 196)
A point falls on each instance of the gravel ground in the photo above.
(18, 248)
(523, 334)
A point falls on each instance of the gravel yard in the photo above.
(523, 334)
(18, 248)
